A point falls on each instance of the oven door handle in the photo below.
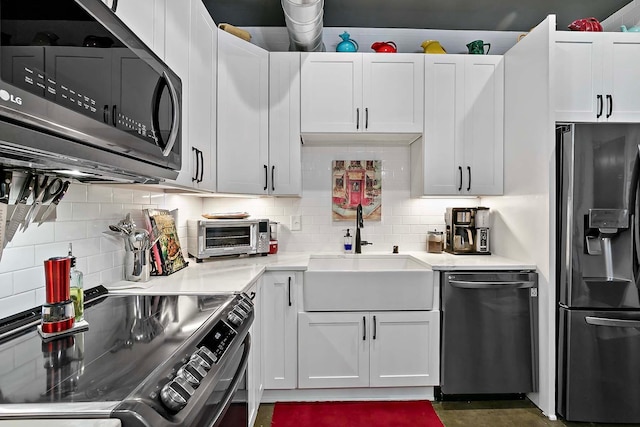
(235, 383)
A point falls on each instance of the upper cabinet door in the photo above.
(243, 116)
(621, 85)
(393, 91)
(578, 77)
(484, 125)
(203, 69)
(285, 152)
(596, 77)
(331, 92)
(146, 19)
(443, 123)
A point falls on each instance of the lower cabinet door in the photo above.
(404, 348)
(333, 350)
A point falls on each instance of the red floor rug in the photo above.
(418, 413)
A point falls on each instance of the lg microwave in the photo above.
(79, 90)
(219, 237)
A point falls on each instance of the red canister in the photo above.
(57, 311)
(56, 273)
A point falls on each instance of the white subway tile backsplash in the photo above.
(35, 235)
(112, 211)
(97, 263)
(85, 211)
(99, 193)
(28, 279)
(17, 303)
(122, 195)
(17, 258)
(67, 231)
(6, 284)
(75, 193)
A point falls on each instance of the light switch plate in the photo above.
(296, 224)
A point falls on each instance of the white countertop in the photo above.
(228, 275)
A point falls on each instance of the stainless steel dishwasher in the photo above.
(489, 332)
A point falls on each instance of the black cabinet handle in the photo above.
(105, 114)
(357, 118)
(610, 104)
(375, 329)
(460, 171)
(289, 290)
(366, 118)
(266, 177)
(364, 328)
(273, 182)
(201, 166)
(114, 6)
(469, 171)
(114, 110)
(194, 178)
(599, 97)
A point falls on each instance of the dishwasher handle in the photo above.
(519, 284)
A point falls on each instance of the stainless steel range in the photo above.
(148, 360)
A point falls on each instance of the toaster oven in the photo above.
(220, 237)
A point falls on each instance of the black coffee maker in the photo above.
(460, 231)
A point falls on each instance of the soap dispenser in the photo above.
(347, 241)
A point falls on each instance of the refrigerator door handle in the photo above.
(490, 285)
(614, 323)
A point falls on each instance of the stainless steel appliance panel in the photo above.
(597, 258)
(148, 360)
(72, 71)
(222, 237)
(489, 332)
(598, 378)
(597, 267)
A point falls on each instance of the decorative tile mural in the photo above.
(356, 182)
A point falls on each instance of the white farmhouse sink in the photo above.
(367, 282)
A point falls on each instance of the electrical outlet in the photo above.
(296, 223)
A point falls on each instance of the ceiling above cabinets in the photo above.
(433, 14)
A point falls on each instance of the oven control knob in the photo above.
(175, 394)
(207, 355)
(243, 312)
(193, 372)
(245, 305)
(234, 318)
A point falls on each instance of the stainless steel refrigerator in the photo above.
(597, 265)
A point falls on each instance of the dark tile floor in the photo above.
(504, 413)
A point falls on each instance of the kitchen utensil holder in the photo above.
(137, 266)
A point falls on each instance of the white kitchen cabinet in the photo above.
(285, 161)
(199, 57)
(404, 348)
(280, 325)
(146, 18)
(596, 77)
(461, 151)
(243, 116)
(255, 371)
(368, 349)
(362, 92)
